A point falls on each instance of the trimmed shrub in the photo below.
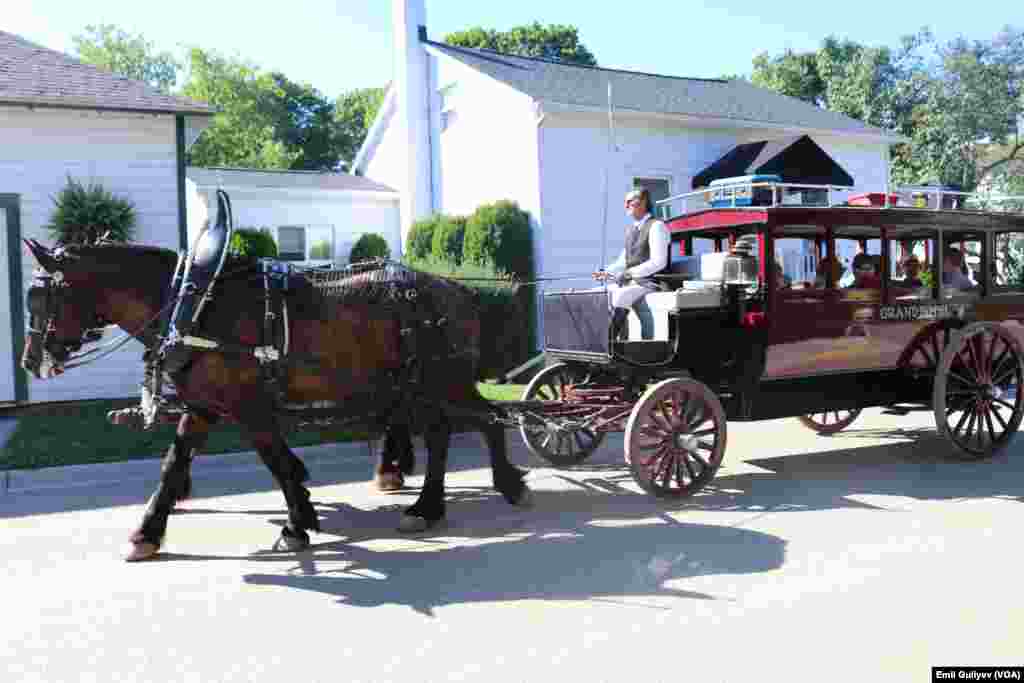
(83, 214)
(253, 243)
(369, 246)
(420, 241)
(449, 234)
(499, 233)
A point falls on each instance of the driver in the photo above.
(644, 254)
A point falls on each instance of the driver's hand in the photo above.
(601, 275)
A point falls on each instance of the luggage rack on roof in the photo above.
(741, 196)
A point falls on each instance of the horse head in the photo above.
(62, 311)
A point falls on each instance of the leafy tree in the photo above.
(82, 215)
(303, 121)
(553, 41)
(111, 48)
(355, 112)
(243, 133)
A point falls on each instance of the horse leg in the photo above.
(429, 508)
(147, 539)
(397, 458)
(289, 472)
(185, 489)
(507, 478)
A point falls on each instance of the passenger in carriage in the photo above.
(820, 281)
(953, 275)
(645, 254)
(911, 273)
(865, 275)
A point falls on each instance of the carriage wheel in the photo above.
(977, 396)
(675, 438)
(925, 350)
(830, 422)
(557, 441)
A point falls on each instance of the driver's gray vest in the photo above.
(638, 245)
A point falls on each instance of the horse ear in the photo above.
(42, 255)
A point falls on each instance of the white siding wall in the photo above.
(864, 161)
(133, 156)
(575, 156)
(350, 213)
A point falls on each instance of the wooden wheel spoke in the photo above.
(991, 427)
(1004, 403)
(975, 361)
(969, 431)
(706, 446)
(680, 479)
(999, 418)
(650, 461)
(966, 382)
(671, 461)
(999, 379)
(689, 467)
(704, 432)
(960, 424)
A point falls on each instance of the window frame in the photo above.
(307, 244)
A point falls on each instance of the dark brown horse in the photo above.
(347, 348)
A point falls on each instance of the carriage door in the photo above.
(10, 324)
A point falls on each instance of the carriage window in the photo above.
(861, 263)
(961, 265)
(798, 261)
(1008, 259)
(911, 268)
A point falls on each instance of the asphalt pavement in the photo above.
(870, 555)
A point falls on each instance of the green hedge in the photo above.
(420, 242)
(253, 243)
(449, 235)
(369, 246)
(499, 233)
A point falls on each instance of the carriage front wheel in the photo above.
(977, 392)
(560, 441)
(829, 422)
(675, 438)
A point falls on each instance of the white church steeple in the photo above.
(412, 90)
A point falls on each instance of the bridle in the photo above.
(47, 298)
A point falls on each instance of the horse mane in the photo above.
(132, 263)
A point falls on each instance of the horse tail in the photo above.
(504, 332)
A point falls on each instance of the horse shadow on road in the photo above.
(595, 538)
(573, 545)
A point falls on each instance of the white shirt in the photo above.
(658, 240)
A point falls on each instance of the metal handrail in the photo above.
(907, 193)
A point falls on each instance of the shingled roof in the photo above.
(585, 86)
(34, 75)
(251, 177)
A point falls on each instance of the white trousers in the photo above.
(626, 296)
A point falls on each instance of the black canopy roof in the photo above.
(796, 159)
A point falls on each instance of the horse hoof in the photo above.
(411, 524)
(526, 499)
(290, 544)
(389, 481)
(141, 551)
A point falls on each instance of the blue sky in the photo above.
(337, 45)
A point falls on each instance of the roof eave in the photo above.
(92, 106)
(554, 107)
(375, 130)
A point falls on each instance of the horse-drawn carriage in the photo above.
(739, 343)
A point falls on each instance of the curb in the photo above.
(54, 479)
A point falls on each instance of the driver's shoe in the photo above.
(619, 327)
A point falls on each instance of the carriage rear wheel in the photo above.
(559, 441)
(830, 421)
(977, 394)
(675, 438)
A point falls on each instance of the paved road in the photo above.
(867, 556)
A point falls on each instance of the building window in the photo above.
(660, 188)
(306, 243)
